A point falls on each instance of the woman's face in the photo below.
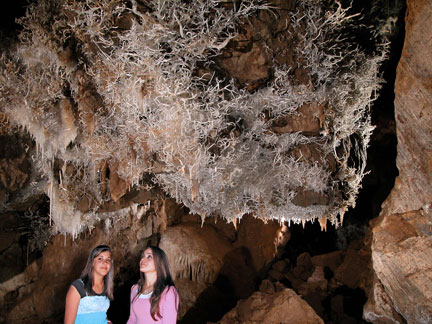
(102, 263)
(146, 263)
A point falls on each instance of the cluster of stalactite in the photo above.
(132, 94)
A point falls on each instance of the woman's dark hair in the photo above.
(87, 273)
(164, 280)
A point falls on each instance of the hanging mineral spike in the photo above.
(200, 135)
(323, 223)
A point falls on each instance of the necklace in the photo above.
(148, 290)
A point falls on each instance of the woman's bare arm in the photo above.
(72, 303)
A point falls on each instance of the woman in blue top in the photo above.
(88, 298)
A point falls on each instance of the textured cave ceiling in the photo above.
(229, 110)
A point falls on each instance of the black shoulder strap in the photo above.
(79, 285)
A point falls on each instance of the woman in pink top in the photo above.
(154, 299)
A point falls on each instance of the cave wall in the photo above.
(132, 216)
(35, 291)
(402, 242)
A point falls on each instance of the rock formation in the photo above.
(228, 109)
(130, 123)
(282, 307)
(402, 241)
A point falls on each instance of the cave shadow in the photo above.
(237, 279)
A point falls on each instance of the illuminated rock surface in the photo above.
(128, 144)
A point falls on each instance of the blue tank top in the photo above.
(91, 309)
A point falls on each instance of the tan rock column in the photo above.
(402, 235)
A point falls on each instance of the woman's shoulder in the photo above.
(78, 282)
(134, 288)
(170, 291)
(170, 296)
(79, 286)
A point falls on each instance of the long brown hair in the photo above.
(163, 281)
(87, 273)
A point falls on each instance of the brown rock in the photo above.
(275, 275)
(402, 259)
(267, 287)
(413, 113)
(279, 286)
(314, 290)
(23, 311)
(304, 267)
(283, 307)
(117, 185)
(189, 291)
(402, 244)
(280, 266)
(305, 198)
(194, 252)
(239, 272)
(169, 210)
(332, 260)
(49, 297)
(221, 225)
(295, 281)
(308, 120)
(247, 67)
(11, 176)
(378, 308)
(260, 238)
(304, 260)
(196, 255)
(317, 279)
(355, 269)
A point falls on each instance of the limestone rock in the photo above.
(15, 167)
(196, 256)
(314, 290)
(402, 258)
(267, 287)
(239, 273)
(308, 120)
(23, 312)
(239, 64)
(402, 241)
(331, 260)
(275, 275)
(282, 307)
(355, 269)
(378, 308)
(280, 265)
(194, 252)
(262, 239)
(304, 267)
(413, 112)
(317, 279)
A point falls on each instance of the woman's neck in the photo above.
(98, 284)
(150, 280)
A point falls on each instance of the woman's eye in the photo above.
(104, 260)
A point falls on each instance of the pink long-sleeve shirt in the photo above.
(140, 307)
